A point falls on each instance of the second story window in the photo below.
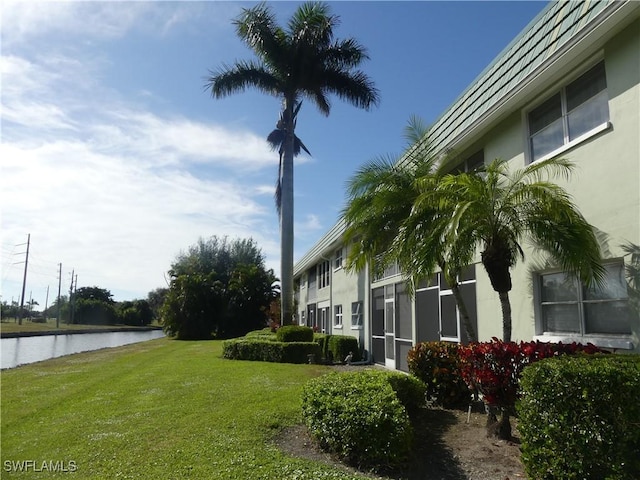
(576, 110)
(323, 274)
(337, 259)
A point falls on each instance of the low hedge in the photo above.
(579, 418)
(264, 334)
(438, 365)
(341, 345)
(322, 339)
(294, 333)
(337, 347)
(363, 416)
(269, 351)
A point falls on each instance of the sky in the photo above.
(115, 159)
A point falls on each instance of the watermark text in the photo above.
(54, 466)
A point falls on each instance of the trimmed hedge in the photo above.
(438, 365)
(265, 334)
(322, 339)
(362, 416)
(341, 345)
(269, 351)
(294, 333)
(335, 348)
(579, 418)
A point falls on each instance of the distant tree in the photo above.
(136, 312)
(156, 298)
(94, 306)
(218, 288)
(94, 293)
(94, 312)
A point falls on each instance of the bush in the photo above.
(269, 351)
(361, 417)
(322, 339)
(586, 408)
(494, 369)
(265, 335)
(341, 345)
(294, 333)
(437, 364)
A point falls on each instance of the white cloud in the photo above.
(22, 21)
(103, 183)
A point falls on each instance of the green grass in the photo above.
(159, 409)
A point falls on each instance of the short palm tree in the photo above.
(302, 60)
(384, 226)
(497, 210)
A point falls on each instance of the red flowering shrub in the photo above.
(437, 364)
(494, 368)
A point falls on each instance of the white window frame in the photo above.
(601, 339)
(357, 320)
(337, 316)
(324, 275)
(567, 143)
(337, 260)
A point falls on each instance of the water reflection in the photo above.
(23, 350)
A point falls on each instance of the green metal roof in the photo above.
(546, 34)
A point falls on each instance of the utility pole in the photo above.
(59, 286)
(71, 297)
(46, 304)
(24, 281)
(73, 307)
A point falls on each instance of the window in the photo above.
(390, 271)
(578, 109)
(471, 164)
(356, 315)
(337, 262)
(568, 307)
(323, 274)
(337, 316)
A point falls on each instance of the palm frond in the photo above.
(237, 78)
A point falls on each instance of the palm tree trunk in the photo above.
(464, 314)
(506, 315)
(286, 220)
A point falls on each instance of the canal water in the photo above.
(23, 350)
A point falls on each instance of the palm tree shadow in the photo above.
(431, 457)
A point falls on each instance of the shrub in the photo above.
(269, 351)
(322, 339)
(265, 334)
(494, 369)
(294, 333)
(437, 364)
(341, 345)
(360, 415)
(586, 408)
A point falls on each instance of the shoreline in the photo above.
(77, 331)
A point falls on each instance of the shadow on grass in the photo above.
(431, 458)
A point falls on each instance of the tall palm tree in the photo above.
(497, 210)
(277, 140)
(301, 60)
(385, 227)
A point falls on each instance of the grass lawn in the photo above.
(162, 409)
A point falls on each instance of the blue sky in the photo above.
(115, 159)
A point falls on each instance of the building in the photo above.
(568, 85)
